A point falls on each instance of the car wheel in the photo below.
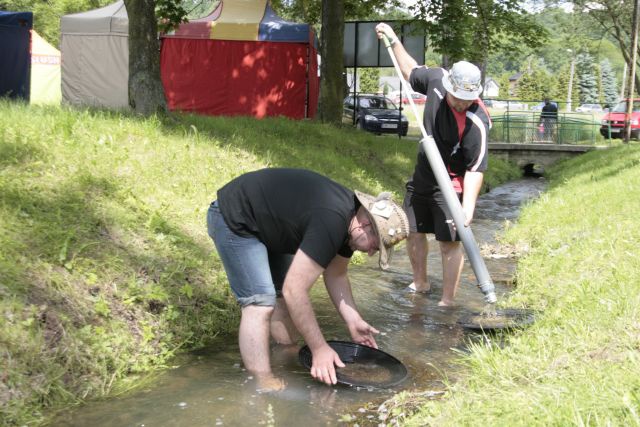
(635, 134)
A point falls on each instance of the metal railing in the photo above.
(525, 127)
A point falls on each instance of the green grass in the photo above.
(579, 363)
(106, 269)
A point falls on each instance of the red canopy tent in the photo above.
(242, 59)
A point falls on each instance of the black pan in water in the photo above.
(365, 366)
(509, 318)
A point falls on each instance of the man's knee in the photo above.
(450, 248)
(258, 311)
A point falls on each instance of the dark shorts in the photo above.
(430, 214)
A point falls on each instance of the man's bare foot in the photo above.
(445, 303)
(418, 289)
(269, 384)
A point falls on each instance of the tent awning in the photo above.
(111, 19)
(244, 20)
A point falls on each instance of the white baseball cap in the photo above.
(463, 81)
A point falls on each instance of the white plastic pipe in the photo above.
(451, 199)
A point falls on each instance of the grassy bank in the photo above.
(106, 269)
(579, 363)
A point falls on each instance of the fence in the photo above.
(527, 128)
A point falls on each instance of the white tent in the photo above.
(45, 71)
(95, 57)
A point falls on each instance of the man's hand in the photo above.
(362, 333)
(386, 30)
(468, 214)
(322, 368)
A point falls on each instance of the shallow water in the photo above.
(209, 387)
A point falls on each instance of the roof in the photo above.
(516, 76)
(244, 20)
(111, 19)
(16, 19)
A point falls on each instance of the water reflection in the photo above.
(211, 388)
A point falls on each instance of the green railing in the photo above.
(526, 128)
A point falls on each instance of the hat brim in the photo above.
(385, 253)
(467, 95)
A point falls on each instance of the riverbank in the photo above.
(106, 268)
(578, 364)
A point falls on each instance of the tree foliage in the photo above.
(536, 84)
(615, 18)
(369, 78)
(329, 16)
(471, 30)
(47, 14)
(587, 79)
(609, 84)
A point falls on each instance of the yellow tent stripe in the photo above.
(239, 20)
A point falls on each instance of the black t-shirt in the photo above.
(291, 209)
(549, 111)
(469, 153)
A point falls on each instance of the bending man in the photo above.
(278, 230)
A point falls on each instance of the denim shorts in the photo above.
(255, 274)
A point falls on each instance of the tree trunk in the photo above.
(331, 67)
(146, 94)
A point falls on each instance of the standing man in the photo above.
(459, 123)
(549, 119)
(277, 231)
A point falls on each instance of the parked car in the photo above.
(503, 105)
(613, 121)
(374, 113)
(540, 106)
(418, 98)
(589, 108)
(537, 107)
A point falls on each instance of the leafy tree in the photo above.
(472, 30)
(503, 82)
(330, 16)
(562, 87)
(146, 93)
(587, 81)
(369, 79)
(46, 14)
(331, 67)
(609, 84)
(615, 18)
(535, 84)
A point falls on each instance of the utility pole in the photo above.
(632, 72)
(573, 62)
(624, 81)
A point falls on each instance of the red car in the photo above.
(418, 98)
(613, 121)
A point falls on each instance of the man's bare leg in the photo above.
(254, 346)
(452, 262)
(283, 330)
(418, 249)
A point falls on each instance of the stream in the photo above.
(209, 387)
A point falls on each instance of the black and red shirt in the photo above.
(462, 138)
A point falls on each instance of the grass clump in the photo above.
(578, 364)
(106, 269)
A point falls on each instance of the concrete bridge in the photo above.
(528, 156)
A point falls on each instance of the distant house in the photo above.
(513, 82)
(390, 84)
(491, 88)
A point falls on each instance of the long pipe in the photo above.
(444, 182)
